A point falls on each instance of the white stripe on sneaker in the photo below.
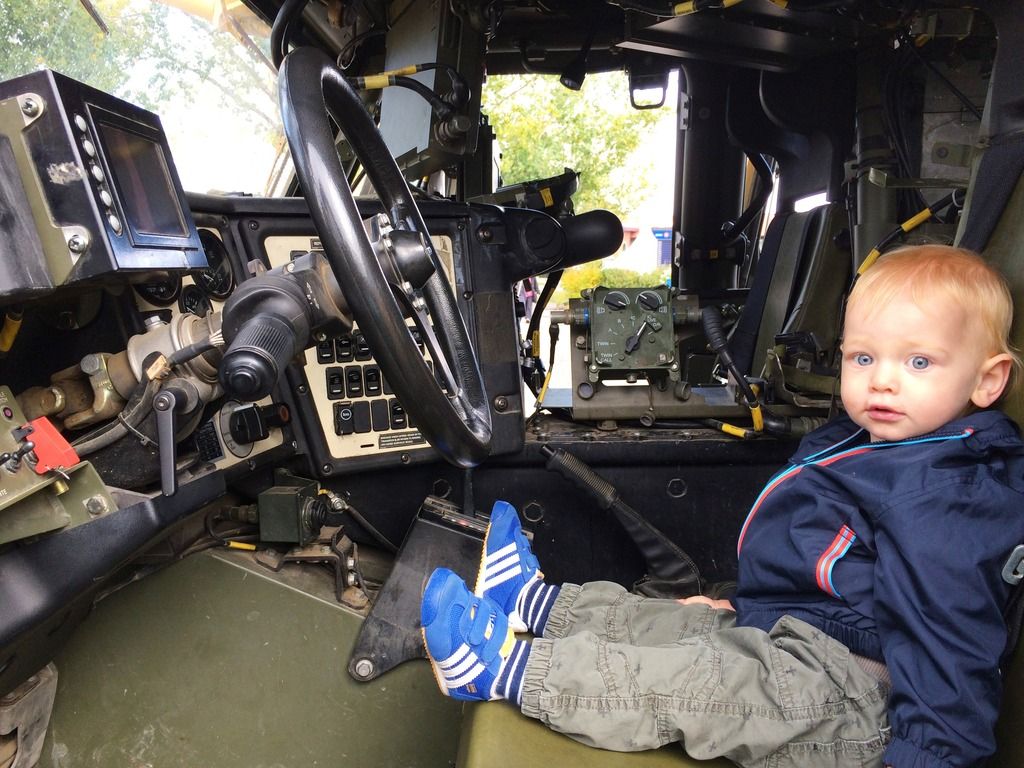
(458, 657)
(498, 566)
(497, 579)
(461, 667)
(508, 549)
(468, 677)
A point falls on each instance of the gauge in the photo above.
(237, 449)
(217, 281)
(194, 300)
(161, 291)
(650, 300)
(616, 300)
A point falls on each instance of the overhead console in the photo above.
(91, 185)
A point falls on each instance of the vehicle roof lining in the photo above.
(755, 34)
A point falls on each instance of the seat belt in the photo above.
(744, 337)
(998, 173)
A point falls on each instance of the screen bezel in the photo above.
(100, 116)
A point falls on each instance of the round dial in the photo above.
(194, 300)
(217, 281)
(649, 300)
(616, 300)
(161, 291)
(224, 419)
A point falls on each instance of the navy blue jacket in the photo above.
(896, 550)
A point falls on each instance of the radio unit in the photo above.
(92, 187)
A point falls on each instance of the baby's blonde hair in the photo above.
(927, 270)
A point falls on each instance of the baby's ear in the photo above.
(994, 374)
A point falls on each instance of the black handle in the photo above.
(165, 404)
(257, 356)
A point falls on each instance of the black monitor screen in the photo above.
(144, 182)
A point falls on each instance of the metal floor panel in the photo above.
(214, 662)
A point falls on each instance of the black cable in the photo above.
(960, 95)
(660, 11)
(282, 29)
(894, 84)
(534, 328)
(460, 94)
(353, 45)
(365, 524)
(441, 109)
(190, 352)
(134, 412)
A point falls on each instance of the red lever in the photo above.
(51, 450)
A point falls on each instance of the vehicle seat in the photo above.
(799, 281)
(495, 728)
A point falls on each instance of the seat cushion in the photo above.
(495, 733)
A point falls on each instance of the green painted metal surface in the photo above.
(213, 662)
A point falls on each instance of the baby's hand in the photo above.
(718, 605)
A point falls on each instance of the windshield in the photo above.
(202, 65)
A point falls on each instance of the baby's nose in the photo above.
(884, 377)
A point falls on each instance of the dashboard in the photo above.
(344, 415)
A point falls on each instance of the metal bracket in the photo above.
(25, 715)
(880, 178)
(32, 107)
(333, 549)
(1013, 571)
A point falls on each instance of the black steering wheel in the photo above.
(398, 273)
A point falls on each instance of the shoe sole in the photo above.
(478, 586)
(433, 665)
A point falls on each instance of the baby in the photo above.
(868, 623)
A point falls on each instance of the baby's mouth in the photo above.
(883, 413)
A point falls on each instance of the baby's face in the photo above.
(908, 370)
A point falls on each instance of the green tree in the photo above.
(593, 274)
(627, 278)
(576, 279)
(542, 127)
(61, 35)
(148, 54)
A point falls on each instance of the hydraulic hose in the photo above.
(138, 407)
(912, 223)
(711, 320)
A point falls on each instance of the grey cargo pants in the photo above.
(626, 673)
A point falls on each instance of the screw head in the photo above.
(90, 364)
(95, 505)
(500, 403)
(364, 668)
(78, 243)
(30, 107)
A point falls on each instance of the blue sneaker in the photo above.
(467, 638)
(507, 564)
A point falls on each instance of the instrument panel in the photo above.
(218, 441)
(358, 413)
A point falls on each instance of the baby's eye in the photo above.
(919, 362)
(862, 359)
